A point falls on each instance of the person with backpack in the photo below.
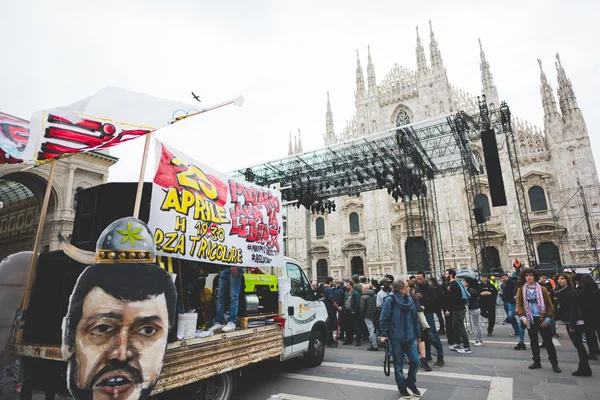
(368, 311)
(457, 302)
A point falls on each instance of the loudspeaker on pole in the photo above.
(493, 168)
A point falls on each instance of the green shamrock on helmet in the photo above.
(131, 235)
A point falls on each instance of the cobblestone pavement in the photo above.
(494, 371)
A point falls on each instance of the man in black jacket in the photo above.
(427, 296)
(456, 306)
(487, 302)
(508, 295)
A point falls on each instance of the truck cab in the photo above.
(306, 327)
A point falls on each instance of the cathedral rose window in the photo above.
(402, 118)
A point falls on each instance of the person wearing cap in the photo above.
(488, 293)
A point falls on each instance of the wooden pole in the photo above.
(36, 250)
(140, 187)
(180, 285)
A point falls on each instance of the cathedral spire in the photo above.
(487, 81)
(329, 133)
(548, 100)
(421, 59)
(299, 149)
(371, 74)
(360, 79)
(436, 56)
(290, 148)
(552, 119)
(566, 94)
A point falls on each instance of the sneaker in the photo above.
(404, 393)
(230, 327)
(454, 347)
(18, 388)
(478, 343)
(464, 351)
(490, 334)
(216, 327)
(514, 334)
(373, 348)
(416, 392)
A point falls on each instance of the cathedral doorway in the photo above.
(548, 254)
(322, 270)
(357, 266)
(492, 260)
(416, 255)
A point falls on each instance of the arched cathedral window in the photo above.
(402, 118)
(354, 223)
(482, 201)
(320, 225)
(537, 199)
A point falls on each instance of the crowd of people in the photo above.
(403, 311)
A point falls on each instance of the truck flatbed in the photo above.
(192, 360)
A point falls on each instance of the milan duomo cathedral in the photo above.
(367, 234)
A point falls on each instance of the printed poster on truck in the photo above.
(200, 214)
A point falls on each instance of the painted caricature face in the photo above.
(119, 346)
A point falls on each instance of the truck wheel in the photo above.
(316, 350)
(220, 387)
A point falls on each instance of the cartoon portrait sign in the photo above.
(200, 214)
(120, 313)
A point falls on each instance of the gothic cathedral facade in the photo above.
(368, 234)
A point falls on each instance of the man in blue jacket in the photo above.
(399, 323)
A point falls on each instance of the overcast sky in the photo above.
(283, 56)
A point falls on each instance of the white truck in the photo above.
(200, 368)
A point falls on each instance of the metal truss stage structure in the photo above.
(405, 161)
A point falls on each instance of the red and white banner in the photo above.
(200, 214)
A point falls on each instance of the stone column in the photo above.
(69, 199)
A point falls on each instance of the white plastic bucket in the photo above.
(186, 325)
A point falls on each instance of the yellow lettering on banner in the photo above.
(215, 251)
(180, 224)
(172, 202)
(187, 200)
(159, 236)
(171, 238)
(194, 178)
(194, 240)
(180, 247)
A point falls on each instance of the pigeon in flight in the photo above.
(196, 97)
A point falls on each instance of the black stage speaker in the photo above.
(478, 213)
(492, 164)
(99, 206)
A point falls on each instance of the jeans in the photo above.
(458, 326)
(234, 284)
(372, 335)
(577, 340)
(489, 312)
(510, 317)
(475, 318)
(533, 329)
(14, 369)
(440, 320)
(437, 343)
(399, 350)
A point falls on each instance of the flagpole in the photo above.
(140, 186)
(36, 249)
